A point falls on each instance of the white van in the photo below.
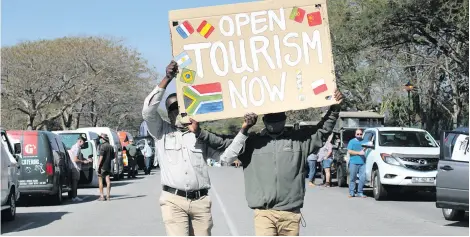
(88, 174)
(117, 168)
(9, 170)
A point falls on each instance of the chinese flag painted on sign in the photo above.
(314, 18)
(297, 14)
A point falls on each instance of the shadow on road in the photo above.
(119, 183)
(28, 221)
(33, 201)
(463, 223)
(126, 197)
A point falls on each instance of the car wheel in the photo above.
(10, 213)
(340, 176)
(378, 189)
(58, 196)
(453, 215)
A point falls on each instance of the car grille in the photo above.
(414, 163)
(416, 160)
(423, 167)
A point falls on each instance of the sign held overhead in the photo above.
(262, 57)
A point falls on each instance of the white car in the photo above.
(399, 158)
(10, 183)
(117, 165)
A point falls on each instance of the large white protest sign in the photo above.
(262, 57)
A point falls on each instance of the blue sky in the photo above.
(143, 24)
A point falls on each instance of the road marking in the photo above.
(231, 226)
(23, 227)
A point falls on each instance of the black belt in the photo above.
(186, 194)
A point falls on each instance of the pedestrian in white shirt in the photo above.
(76, 165)
(185, 204)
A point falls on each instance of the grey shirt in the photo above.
(181, 155)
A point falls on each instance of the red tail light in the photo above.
(49, 169)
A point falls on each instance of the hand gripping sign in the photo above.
(264, 56)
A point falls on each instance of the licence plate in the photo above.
(422, 180)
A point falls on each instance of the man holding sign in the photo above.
(185, 202)
(274, 164)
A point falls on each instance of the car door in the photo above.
(5, 161)
(452, 177)
(369, 136)
(87, 151)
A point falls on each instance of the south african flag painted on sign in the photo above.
(203, 98)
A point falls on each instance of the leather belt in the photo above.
(186, 194)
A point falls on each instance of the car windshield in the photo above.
(406, 139)
(69, 139)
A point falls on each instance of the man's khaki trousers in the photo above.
(277, 223)
(184, 217)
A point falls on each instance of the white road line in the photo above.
(23, 227)
(231, 226)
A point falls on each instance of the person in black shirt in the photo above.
(104, 168)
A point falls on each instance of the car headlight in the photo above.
(390, 159)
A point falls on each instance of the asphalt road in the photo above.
(134, 210)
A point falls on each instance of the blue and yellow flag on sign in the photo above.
(187, 76)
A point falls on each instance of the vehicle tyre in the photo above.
(452, 214)
(58, 196)
(10, 213)
(379, 191)
(340, 176)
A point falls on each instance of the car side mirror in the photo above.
(370, 146)
(17, 148)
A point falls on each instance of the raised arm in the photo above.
(326, 126)
(150, 113)
(237, 146)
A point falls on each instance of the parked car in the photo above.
(10, 172)
(117, 164)
(88, 172)
(452, 176)
(400, 158)
(44, 164)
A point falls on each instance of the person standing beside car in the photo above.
(147, 153)
(104, 165)
(325, 156)
(357, 164)
(131, 152)
(312, 168)
(75, 166)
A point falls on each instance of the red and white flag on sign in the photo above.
(319, 86)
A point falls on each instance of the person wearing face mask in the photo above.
(356, 164)
(274, 168)
(185, 204)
